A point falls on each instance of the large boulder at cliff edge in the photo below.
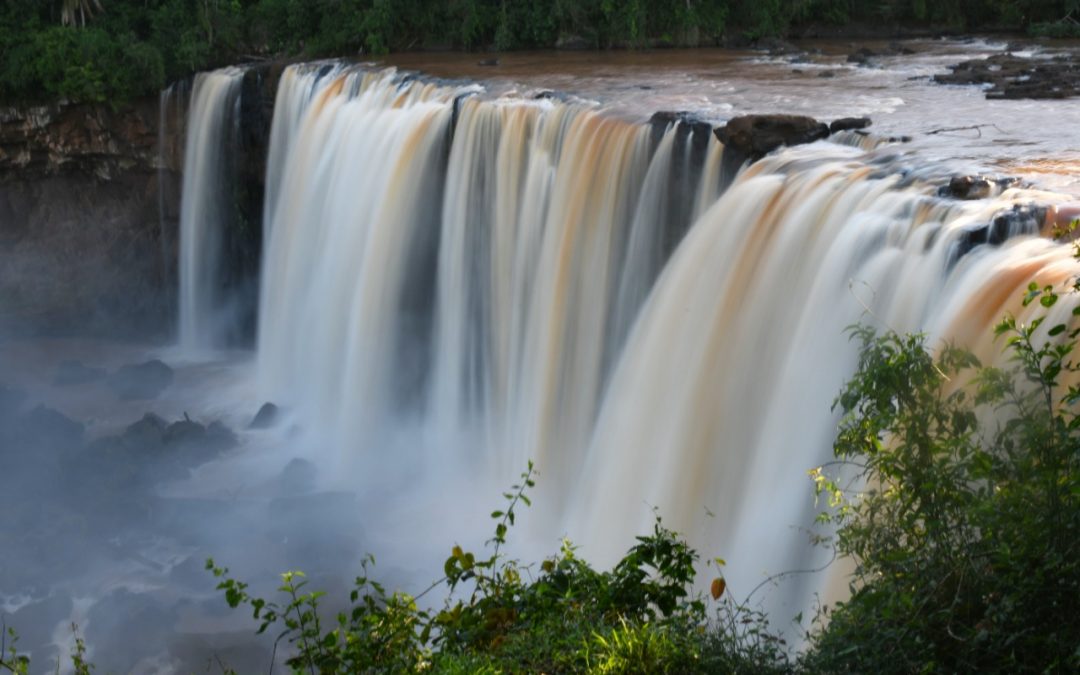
(757, 135)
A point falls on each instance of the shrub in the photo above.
(639, 617)
(966, 537)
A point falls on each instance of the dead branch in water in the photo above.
(976, 127)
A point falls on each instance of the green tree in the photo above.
(966, 533)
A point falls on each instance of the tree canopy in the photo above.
(102, 50)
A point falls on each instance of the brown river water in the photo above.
(1036, 139)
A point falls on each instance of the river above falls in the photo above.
(1032, 139)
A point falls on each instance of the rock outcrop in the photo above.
(754, 136)
(976, 187)
(90, 208)
(1015, 77)
(86, 233)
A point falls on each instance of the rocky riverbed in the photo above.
(121, 476)
(1020, 75)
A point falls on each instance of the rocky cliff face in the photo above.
(90, 205)
(84, 248)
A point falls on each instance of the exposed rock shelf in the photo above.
(1013, 77)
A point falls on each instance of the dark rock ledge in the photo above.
(1015, 77)
(754, 136)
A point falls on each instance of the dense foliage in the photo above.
(98, 50)
(498, 616)
(967, 535)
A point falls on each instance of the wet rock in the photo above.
(900, 48)
(149, 451)
(219, 437)
(266, 417)
(488, 62)
(975, 187)
(184, 431)
(148, 432)
(827, 73)
(1015, 77)
(757, 135)
(849, 124)
(861, 56)
(1019, 220)
(777, 47)
(298, 476)
(198, 443)
(76, 372)
(141, 381)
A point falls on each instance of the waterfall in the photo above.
(532, 279)
(483, 259)
(207, 207)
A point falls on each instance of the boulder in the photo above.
(849, 124)
(266, 417)
(198, 443)
(757, 135)
(975, 187)
(184, 432)
(1016, 77)
(861, 56)
(777, 47)
(488, 62)
(219, 437)
(141, 381)
(1019, 220)
(148, 432)
(76, 372)
(297, 477)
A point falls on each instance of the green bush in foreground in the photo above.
(967, 536)
(641, 617)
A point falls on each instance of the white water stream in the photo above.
(206, 207)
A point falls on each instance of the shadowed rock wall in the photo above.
(89, 213)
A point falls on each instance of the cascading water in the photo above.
(495, 274)
(207, 208)
(480, 257)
